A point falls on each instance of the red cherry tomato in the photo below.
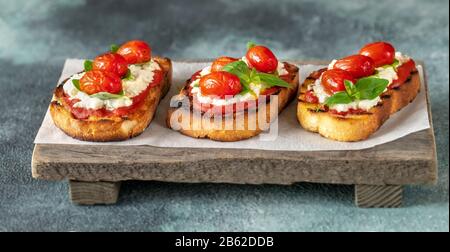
(310, 97)
(382, 53)
(262, 59)
(220, 84)
(111, 62)
(220, 62)
(135, 51)
(357, 65)
(403, 73)
(333, 80)
(100, 81)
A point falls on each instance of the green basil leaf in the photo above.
(272, 80)
(237, 66)
(338, 98)
(349, 87)
(246, 86)
(254, 77)
(106, 96)
(396, 63)
(250, 44)
(351, 90)
(243, 92)
(76, 83)
(114, 48)
(240, 69)
(87, 65)
(128, 75)
(370, 88)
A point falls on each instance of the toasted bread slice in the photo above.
(199, 127)
(114, 128)
(354, 127)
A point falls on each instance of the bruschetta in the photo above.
(355, 95)
(116, 95)
(246, 93)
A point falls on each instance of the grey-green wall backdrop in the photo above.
(37, 36)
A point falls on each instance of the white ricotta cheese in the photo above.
(319, 91)
(281, 69)
(402, 58)
(387, 73)
(142, 76)
(205, 71)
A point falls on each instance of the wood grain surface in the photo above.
(88, 193)
(409, 160)
(369, 196)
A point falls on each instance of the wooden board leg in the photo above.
(91, 193)
(378, 196)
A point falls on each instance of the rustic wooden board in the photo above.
(409, 160)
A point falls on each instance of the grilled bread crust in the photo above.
(114, 128)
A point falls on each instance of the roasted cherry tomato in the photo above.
(262, 59)
(333, 80)
(220, 62)
(100, 81)
(310, 97)
(382, 53)
(357, 65)
(111, 62)
(135, 51)
(220, 84)
(403, 73)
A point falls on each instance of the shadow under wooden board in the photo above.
(94, 172)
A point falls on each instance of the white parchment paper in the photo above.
(291, 136)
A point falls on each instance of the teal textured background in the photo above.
(37, 36)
